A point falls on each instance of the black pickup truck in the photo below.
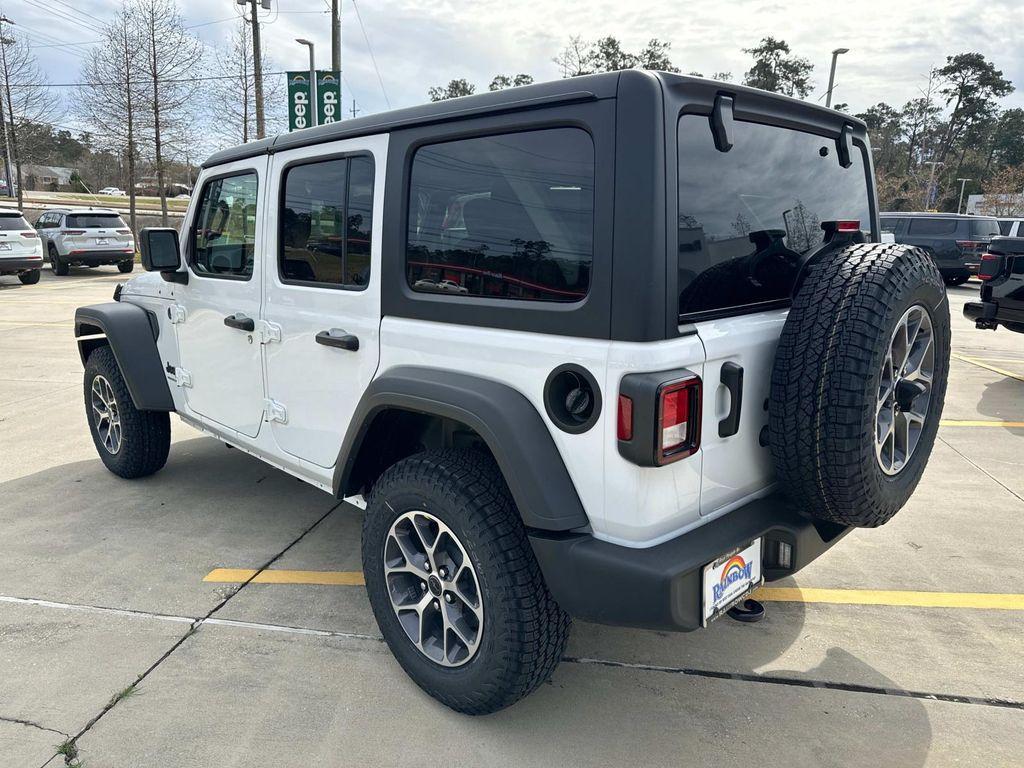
(1002, 289)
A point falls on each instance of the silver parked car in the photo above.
(87, 237)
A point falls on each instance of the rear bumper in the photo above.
(660, 587)
(988, 314)
(98, 258)
(10, 266)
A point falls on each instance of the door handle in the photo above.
(241, 322)
(732, 377)
(338, 338)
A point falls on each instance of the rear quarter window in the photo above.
(984, 228)
(749, 216)
(509, 216)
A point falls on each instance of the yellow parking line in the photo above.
(994, 369)
(1003, 602)
(959, 423)
(328, 578)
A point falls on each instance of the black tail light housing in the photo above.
(659, 416)
(992, 266)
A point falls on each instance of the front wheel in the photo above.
(29, 278)
(131, 443)
(454, 585)
(124, 267)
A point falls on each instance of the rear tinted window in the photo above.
(9, 223)
(1005, 227)
(984, 228)
(95, 221)
(508, 216)
(747, 217)
(932, 227)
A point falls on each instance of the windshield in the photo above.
(749, 215)
(13, 223)
(95, 221)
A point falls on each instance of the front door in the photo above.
(218, 310)
(322, 276)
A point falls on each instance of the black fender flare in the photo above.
(131, 332)
(507, 422)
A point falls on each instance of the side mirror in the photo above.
(159, 248)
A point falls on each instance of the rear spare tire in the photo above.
(859, 382)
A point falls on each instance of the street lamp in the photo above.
(963, 183)
(312, 81)
(832, 74)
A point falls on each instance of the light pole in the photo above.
(313, 110)
(963, 183)
(832, 74)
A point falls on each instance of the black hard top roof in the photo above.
(585, 88)
(935, 215)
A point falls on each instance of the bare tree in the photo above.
(233, 106)
(24, 101)
(172, 55)
(111, 101)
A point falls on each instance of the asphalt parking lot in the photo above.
(211, 615)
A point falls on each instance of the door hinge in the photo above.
(269, 332)
(176, 314)
(275, 411)
(182, 377)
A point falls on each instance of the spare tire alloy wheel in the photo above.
(904, 391)
(105, 414)
(433, 588)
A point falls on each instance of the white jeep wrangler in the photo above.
(619, 348)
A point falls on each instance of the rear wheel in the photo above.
(131, 443)
(59, 267)
(454, 585)
(859, 382)
(29, 278)
(125, 267)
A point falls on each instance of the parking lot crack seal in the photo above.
(799, 682)
(985, 472)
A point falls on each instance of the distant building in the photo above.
(996, 205)
(47, 178)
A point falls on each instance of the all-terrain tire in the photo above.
(59, 267)
(29, 278)
(124, 267)
(524, 631)
(145, 436)
(826, 377)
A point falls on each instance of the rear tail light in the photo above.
(625, 421)
(991, 266)
(124, 231)
(971, 244)
(851, 225)
(678, 420)
(73, 232)
(30, 235)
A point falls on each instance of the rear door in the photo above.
(747, 218)
(322, 279)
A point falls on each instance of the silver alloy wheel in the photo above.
(904, 390)
(433, 588)
(106, 416)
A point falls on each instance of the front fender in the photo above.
(131, 332)
(507, 422)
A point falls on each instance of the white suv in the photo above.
(674, 360)
(21, 252)
(87, 237)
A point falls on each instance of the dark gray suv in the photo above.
(955, 241)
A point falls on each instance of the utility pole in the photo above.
(9, 134)
(336, 35)
(257, 54)
(963, 183)
(354, 111)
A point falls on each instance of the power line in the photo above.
(168, 80)
(64, 16)
(372, 57)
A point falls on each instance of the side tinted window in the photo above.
(508, 216)
(326, 219)
(1005, 226)
(224, 233)
(889, 223)
(748, 217)
(932, 227)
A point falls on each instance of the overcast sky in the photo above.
(417, 44)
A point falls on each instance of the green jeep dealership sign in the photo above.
(328, 106)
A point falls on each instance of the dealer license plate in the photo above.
(102, 241)
(729, 579)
